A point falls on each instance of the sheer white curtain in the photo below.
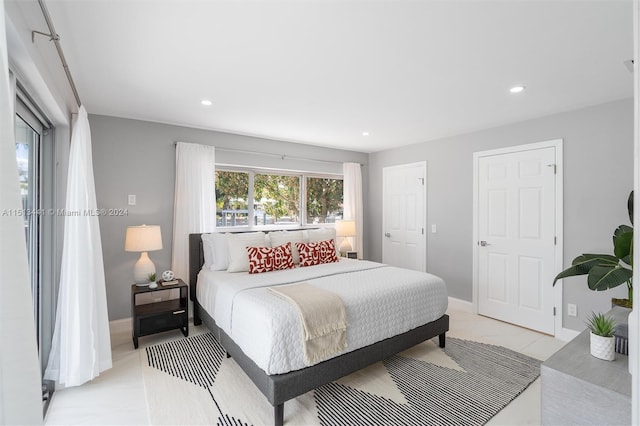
(352, 201)
(20, 393)
(81, 346)
(194, 208)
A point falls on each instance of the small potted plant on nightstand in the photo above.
(152, 281)
(602, 340)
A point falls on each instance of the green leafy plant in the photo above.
(152, 277)
(601, 325)
(607, 271)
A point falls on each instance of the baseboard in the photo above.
(463, 305)
(566, 334)
(123, 324)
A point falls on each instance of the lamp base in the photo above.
(143, 268)
(345, 246)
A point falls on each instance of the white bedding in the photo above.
(381, 301)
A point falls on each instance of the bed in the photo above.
(284, 376)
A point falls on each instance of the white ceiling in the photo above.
(322, 72)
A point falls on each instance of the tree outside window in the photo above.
(324, 200)
(232, 192)
(276, 199)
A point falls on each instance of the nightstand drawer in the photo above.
(163, 322)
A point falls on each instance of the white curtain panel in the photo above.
(194, 208)
(352, 201)
(81, 347)
(20, 392)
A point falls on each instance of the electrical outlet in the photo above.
(433, 228)
(131, 199)
(572, 310)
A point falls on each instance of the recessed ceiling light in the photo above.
(365, 133)
(206, 102)
(516, 89)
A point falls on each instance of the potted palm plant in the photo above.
(607, 271)
(602, 339)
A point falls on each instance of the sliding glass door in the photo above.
(28, 136)
(35, 155)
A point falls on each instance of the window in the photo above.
(256, 198)
(324, 200)
(232, 193)
(276, 199)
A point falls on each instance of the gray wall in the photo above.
(138, 157)
(598, 176)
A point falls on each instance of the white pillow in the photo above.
(216, 251)
(323, 234)
(279, 238)
(237, 244)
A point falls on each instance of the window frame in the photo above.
(302, 194)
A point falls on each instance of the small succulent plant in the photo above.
(601, 325)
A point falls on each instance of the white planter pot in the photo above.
(603, 347)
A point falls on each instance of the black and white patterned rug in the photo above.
(190, 381)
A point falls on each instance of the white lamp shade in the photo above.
(345, 228)
(143, 238)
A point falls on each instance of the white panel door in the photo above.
(516, 237)
(404, 242)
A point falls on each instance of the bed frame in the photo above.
(279, 388)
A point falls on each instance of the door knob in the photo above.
(484, 243)
(387, 234)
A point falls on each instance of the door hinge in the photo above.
(422, 231)
(554, 311)
(555, 241)
(421, 181)
(555, 168)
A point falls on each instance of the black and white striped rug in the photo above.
(189, 381)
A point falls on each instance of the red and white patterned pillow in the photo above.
(317, 253)
(265, 259)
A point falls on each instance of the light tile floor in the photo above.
(117, 396)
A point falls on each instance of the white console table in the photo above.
(579, 389)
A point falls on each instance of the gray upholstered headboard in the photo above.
(196, 260)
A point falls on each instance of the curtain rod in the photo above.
(56, 39)
(281, 156)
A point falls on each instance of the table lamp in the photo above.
(143, 239)
(345, 229)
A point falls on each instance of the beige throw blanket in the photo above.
(324, 319)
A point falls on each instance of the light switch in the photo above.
(433, 228)
(132, 199)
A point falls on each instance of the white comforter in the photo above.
(381, 301)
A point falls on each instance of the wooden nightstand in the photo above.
(156, 317)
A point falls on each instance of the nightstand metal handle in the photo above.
(179, 312)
